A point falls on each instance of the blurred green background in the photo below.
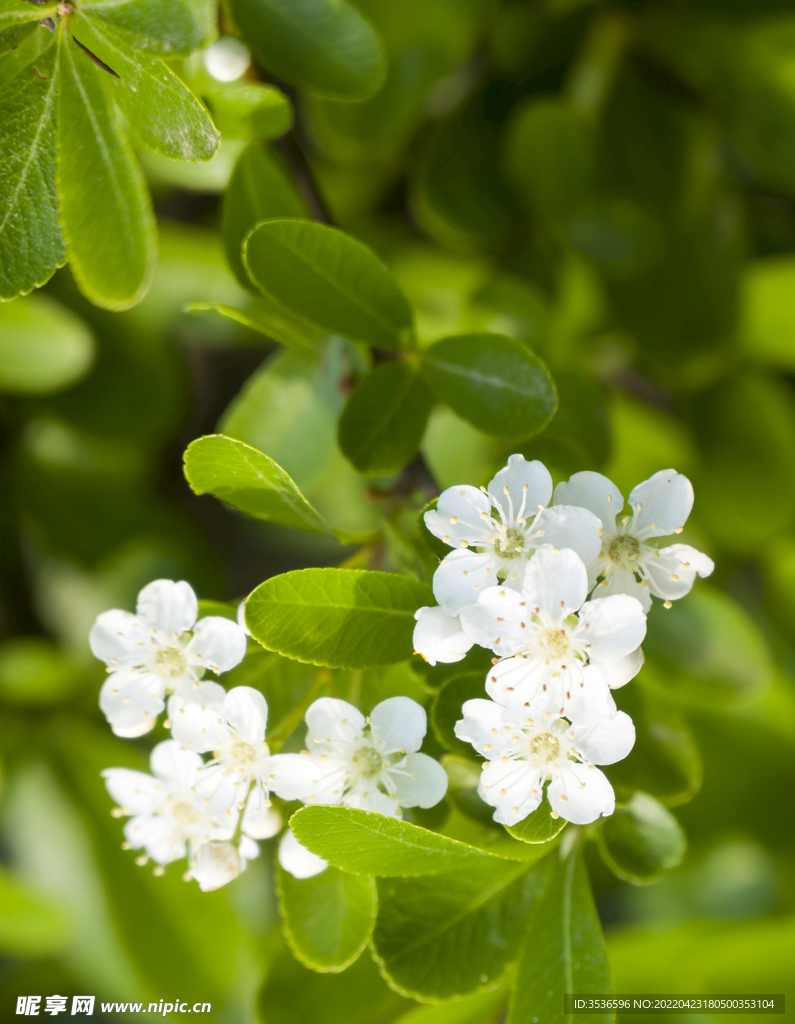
(612, 184)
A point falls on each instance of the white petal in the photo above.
(483, 727)
(260, 820)
(157, 834)
(424, 783)
(199, 727)
(514, 788)
(116, 638)
(398, 723)
(516, 679)
(218, 644)
(332, 719)
(438, 637)
(556, 582)
(622, 581)
(220, 795)
(619, 671)
(590, 699)
(594, 492)
(247, 712)
(241, 619)
(174, 765)
(672, 572)
(528, 485)
(365, 796)
(462, 577)
(567, 526)
(607, 741)
(189, 690)
(665, 501)
(136, 792)
(458, 515)
(586, 790)
(131, 701)
(500, 620)
(297, 859)
(215, 864)
(168, 606)
(613, 626)
(249, 849)
(294, 776)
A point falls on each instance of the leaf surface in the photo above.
(174, 29)
(642, 840)
(43, 346)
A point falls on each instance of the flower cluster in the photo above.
(559, 592)
(212, 810)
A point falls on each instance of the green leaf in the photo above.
(446, 708)
(342, 618)
(260, 189)
(31, 246)
(247, 479)
(372, 844)
(264, 317)
(34, 672)
(564, 951)
(249, 110)
(495, 383)
(106, 214)
(329, 281)
(30, 924)
(482, 1008)
(43, 346)
(13, 35)
(324, 47)
(327, 919)
(169, 30)
(381, 428)
(454, 934)
(550, 156)
(161, 109)
(642, 840)
(538, 827)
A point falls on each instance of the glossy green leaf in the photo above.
(12, 35)
(18, 12)
(453, 934)
(249, 110)
(260, 189)
(244, 477)
(381, 427)
(161, 109)
(43, 346)
(538, 827)
(495, 383)
(31, 246)
(564, 951)
(447, 704)
(550, 156)
(342, 618)
(31, 924)
(172, 30)
(324, 47)
(264, 317)
(372, 844)
(328, 918)
(329, 281)
(106, 214)
(640, 841)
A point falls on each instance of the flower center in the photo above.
(624, 550)
(170, 662)
(554, 643)
(511, 546)
(544, 748)
(185, 813)
(244, 752)
(368, 762)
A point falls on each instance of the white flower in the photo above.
(170, 818)
(495, 547)
(371, 763)
(523, 753)
(158, 650)
(562, 655)
(628, 561)
(217, 863)
(439, 636)
(300, 862)
(242, 770)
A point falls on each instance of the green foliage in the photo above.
(447, 704)
(328, 918)
(43, 346)
(538, 827)
(35, 672)
(30, 925)
(343, 618)
(642, 840)
(173, 31)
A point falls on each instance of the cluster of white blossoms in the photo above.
(208, 797)
(518, 583)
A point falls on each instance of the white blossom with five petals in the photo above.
(158, 650)
(629, 561)
(496, 529)
(561, 654)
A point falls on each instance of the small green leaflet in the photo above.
(172, 29)
(564, 951)
(642, 840)
(31, 246)
(247, 479)
(324, 278)
(325, 47)
(538, 827)
(341, 618)
(249, 110)
(369, 843)
(261, 316)
(43, 346)
(327, 919)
